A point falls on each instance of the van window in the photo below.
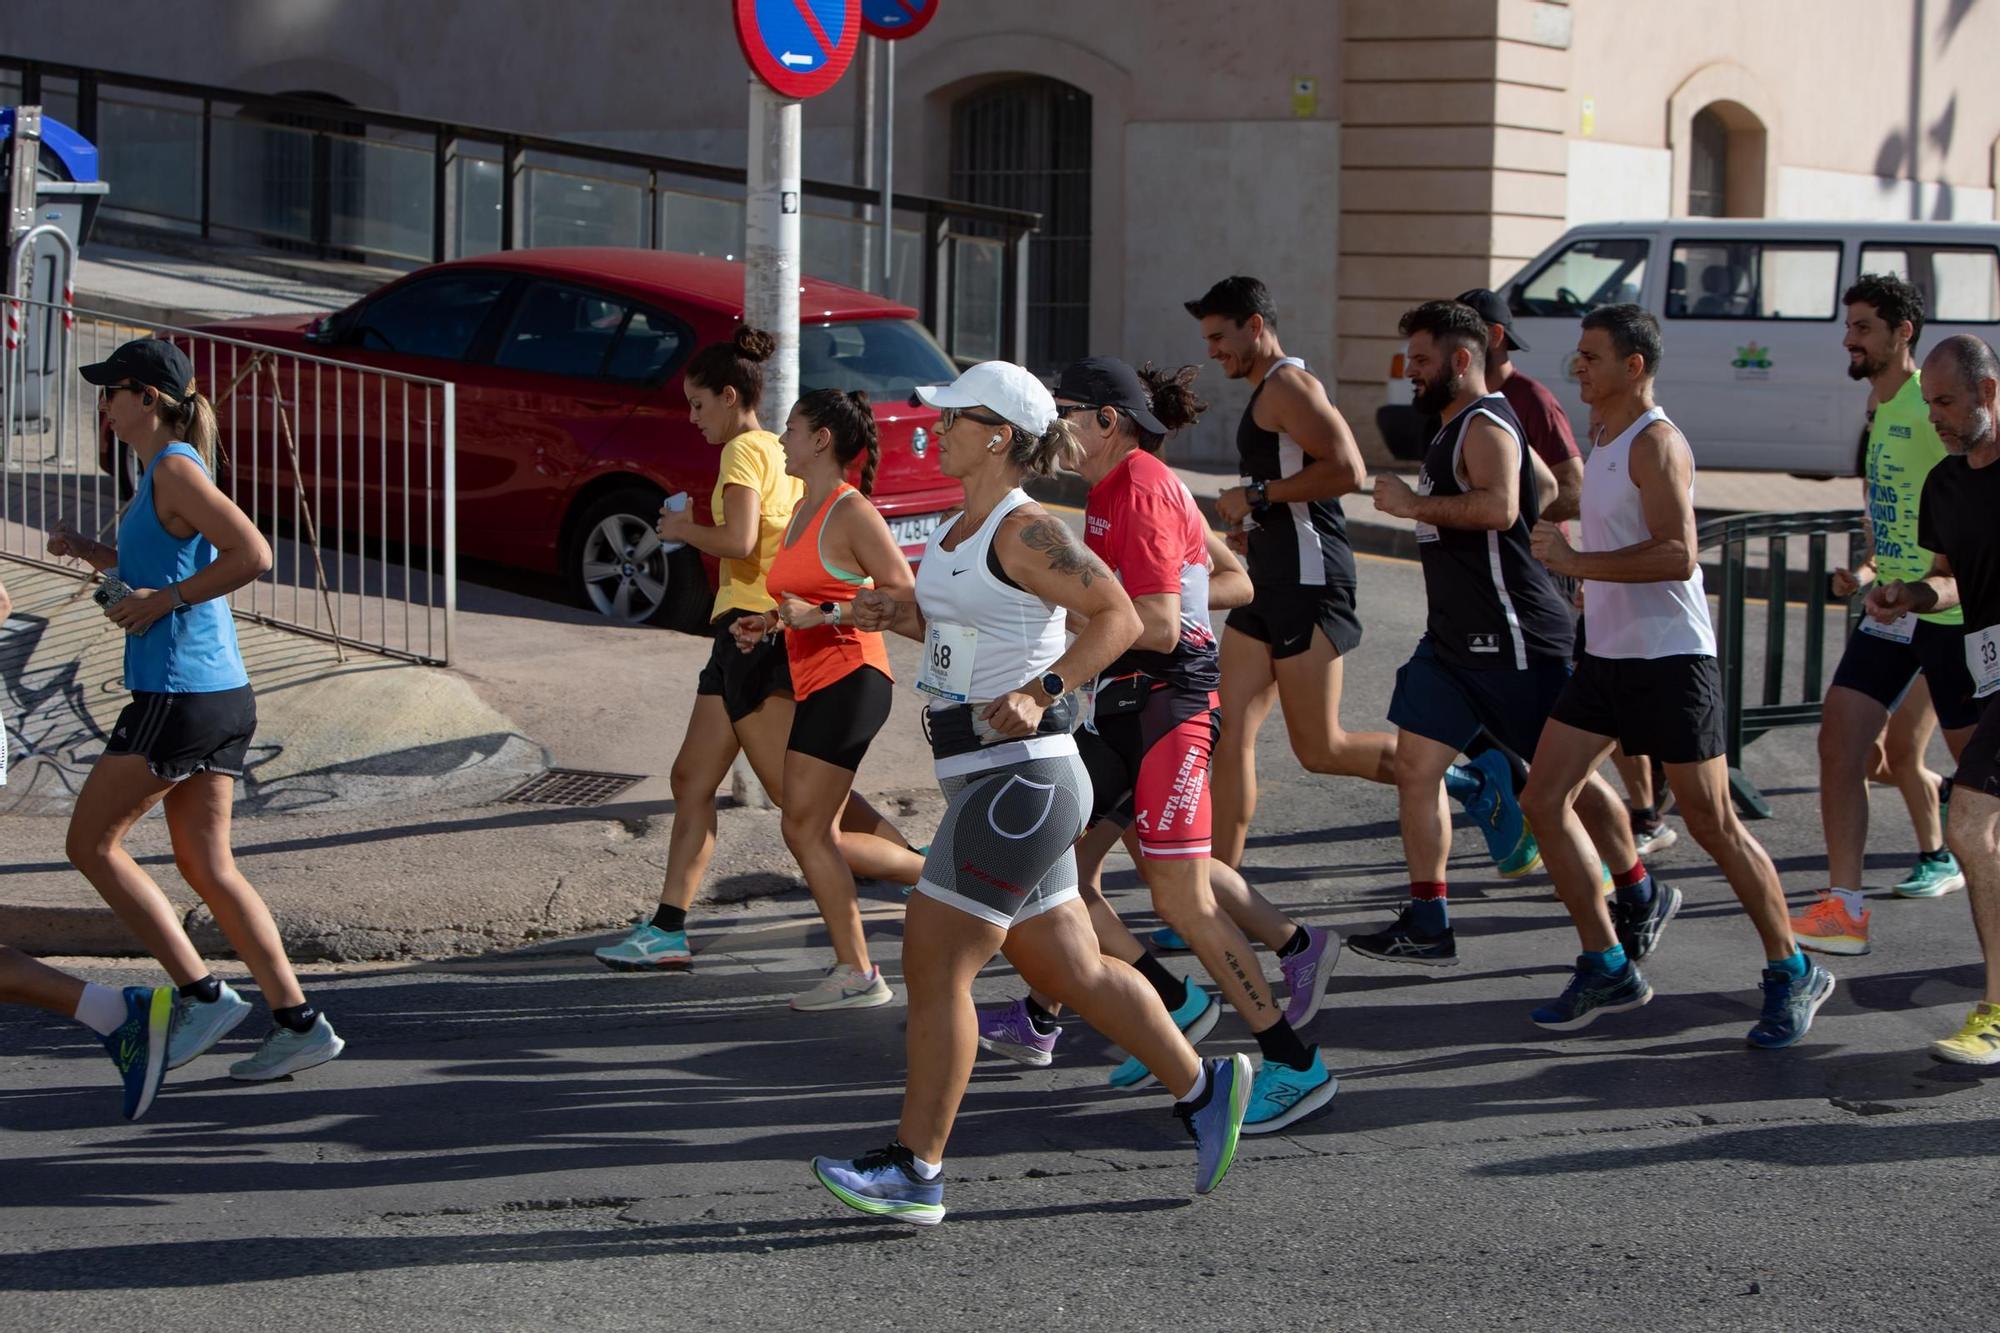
(1753, 280)
(1584, 276)
(1961, 284)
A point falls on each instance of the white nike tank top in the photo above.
(1020, 636)
(1635, 620)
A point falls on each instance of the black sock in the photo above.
(1518, 769)
(1172, 990)
(1941, 854)
(670, 918)
(1280, 1043)
(1944, 790)
(1043, 1021)
(1296, 944)
(296, 1017)
(206, 991)
(1644, 816)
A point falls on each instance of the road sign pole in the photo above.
(888, 159)
(771, 270)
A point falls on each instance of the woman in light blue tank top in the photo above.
(183, 547)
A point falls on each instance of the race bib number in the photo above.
(1900, 630)
(1427, 532)
(1982, 659)
(947, 669)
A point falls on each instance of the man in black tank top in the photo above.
(1496, 647)
(1298, 458)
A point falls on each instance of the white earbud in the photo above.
(990, 443)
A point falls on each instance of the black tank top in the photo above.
(1303, 542)
(1492, 604)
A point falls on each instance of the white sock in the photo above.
(101, 1009)
(925, 1170)
(1852, 900)
(1200, 1086)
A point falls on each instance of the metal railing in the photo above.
(1780, 702)
(349, 471)
(344, 182)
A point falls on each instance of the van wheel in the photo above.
(615, 565)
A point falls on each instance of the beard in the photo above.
(1432, 397)
(1867, 368)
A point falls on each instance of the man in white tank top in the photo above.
(1648, 680)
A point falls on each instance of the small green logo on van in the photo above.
(1752, 357)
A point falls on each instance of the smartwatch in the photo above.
(180, 603)
(1254, 493)
(831, 610)
(1053, 685)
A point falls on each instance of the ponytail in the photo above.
(1056, 449)
(851, 422)
(193, 423)
(1175, 402)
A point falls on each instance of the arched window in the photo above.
(1708, 169)
(1025, 143)
(1726, 162)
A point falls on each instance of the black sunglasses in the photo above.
(948, 417)
(105, 394)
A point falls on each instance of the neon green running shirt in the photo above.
(1902, 450)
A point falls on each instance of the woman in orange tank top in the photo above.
(837, 543)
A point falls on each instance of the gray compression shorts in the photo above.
(1005, 850)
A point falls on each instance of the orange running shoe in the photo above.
(1827, 927)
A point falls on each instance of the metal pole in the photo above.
(865, 61)
(888, 159)
(771, 243)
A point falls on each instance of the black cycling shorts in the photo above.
(836, 722)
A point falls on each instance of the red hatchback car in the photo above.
(572, 424)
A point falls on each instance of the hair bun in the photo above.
(754, 344)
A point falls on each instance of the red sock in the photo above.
(1630, 877)
(1427, 890)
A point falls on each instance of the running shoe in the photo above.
(1591, 993)
(647, 949)
(1196, 1018)
(1789, 1005)
(1462, 783)
(287, 1052)
(883, 1183)
(1496, 811)
(1217, 1123)
(198, 1026)
(923, 851)
(1524, 859)
(1010, 1032)
(1307, 973)
(1403, 943)
(1977, 1043)
(1281, 1096)
(1828, 927)
(138, 1046)
(1654, 837)
(845, 988)
(1932, 877)
(1639, 928)
(1166, 940)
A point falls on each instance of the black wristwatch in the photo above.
(1053, 685)
(831, 610)
(1255, 494)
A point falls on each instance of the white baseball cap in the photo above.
(1000, 387)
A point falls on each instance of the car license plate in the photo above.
(915, 530)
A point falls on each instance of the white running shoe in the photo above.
(845, 988)
(198, 1026)
(287, 1052)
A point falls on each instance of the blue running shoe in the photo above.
(1639, 928)
(1166, 940)
(1462, 783)
(198, 1026)
(883, 1183)
(1282, 1096)
(1196, 1018)
(1216, 1125)
(1497, 813)
(1789, 1005)
(138, 1046)
(647, 949)
(1591, 993)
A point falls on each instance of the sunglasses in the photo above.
(109, 391)
(948, 417)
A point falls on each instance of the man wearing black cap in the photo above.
(1540, 413)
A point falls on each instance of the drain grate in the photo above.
(571, 786)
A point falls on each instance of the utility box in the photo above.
(51, 181)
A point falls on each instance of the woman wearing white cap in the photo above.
(992, 594)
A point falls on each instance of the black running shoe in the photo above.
(1403, 943)
(1639, 928)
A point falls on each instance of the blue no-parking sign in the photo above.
(890, 19)
(799, 47)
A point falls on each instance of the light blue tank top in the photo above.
(184, 652)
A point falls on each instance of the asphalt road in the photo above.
(527, 1141)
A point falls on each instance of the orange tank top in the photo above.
(823, 654)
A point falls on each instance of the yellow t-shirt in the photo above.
(754, 459)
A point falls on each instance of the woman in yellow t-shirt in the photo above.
(743, 701)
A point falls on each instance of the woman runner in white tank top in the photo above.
(992, 594)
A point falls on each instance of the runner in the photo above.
(992, 591)
(836, 545)
(182, 549)
(1299, 458)
(1498, 639)
(1955, 523)
(133, 1024)
(1150, 729)
(743, 700)
(1650, 681)
(1885, 318)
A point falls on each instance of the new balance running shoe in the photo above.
(138, 1046)
(1977, 1043)
(1639, 928)
(199, 1026)
(845, 988)
(1933, 876)
(1196, 1018)
(1404, 943)
(1828, 927)
(1281, 1096)
(1218, 1122)
(1307, 973)
(287, 1052)
(1010, 1032)
(647, 949)
(1789, 1005)
(883, 1183)
(1591, 993)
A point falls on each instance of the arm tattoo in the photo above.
(1065, 556)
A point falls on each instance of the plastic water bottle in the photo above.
(675, 503)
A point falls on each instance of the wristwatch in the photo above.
(831, 610)
(180, 603)
(1255, 494)
(1053, 685)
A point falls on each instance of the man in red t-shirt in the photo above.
(1540, 413)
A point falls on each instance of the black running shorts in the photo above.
(743, 680)
(1284, 616)
(180, 735)
(1667, 707)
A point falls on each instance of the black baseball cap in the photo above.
(1105, 381)
(153, 362)
(1492, 308)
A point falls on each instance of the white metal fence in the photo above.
(347, 470)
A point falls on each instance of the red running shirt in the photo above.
(1142, 522)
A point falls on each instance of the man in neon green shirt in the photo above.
(1885, 317)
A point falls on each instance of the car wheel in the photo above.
(617, 568)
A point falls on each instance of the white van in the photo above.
(1753, 371)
